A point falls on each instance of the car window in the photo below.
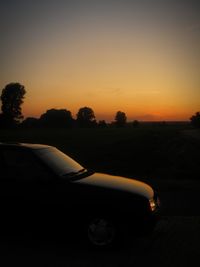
(22, 164)
(59, 162)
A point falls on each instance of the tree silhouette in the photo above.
(12, 98)
(56, 118)
(195, 120)
(120, 119)
(86, 117)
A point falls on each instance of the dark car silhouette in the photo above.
(43, 189)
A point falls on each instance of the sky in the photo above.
(136, 56)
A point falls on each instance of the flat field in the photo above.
(159, 151)
(165, 156)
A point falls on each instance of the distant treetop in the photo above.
(120, 119)
(56, 118)
(86, 117)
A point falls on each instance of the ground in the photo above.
(173, 168)
(175, 242)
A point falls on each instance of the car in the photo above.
(43, 189)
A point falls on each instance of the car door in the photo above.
(26, 189)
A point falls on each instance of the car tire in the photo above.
(101, 232)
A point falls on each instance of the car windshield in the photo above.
(61, 164)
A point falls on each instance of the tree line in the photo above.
(12, 98)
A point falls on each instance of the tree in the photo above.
(195, 120)
(56, 118)
(86, 117)
(120, 119)
(12, 98)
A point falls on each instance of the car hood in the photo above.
(118, 183)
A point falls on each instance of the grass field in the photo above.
(147, 151)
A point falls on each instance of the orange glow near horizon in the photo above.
(146, 107)
(109, 57)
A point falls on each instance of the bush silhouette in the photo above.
(56, 118)
(195, 120)
(30, 123)
(102, 124)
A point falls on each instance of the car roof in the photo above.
(24, 145)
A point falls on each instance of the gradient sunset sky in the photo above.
(140, 57)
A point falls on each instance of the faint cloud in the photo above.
(115, 91)
(90, 94)
(147, 92)
(147, 117)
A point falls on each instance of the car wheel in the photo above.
(101, 232)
